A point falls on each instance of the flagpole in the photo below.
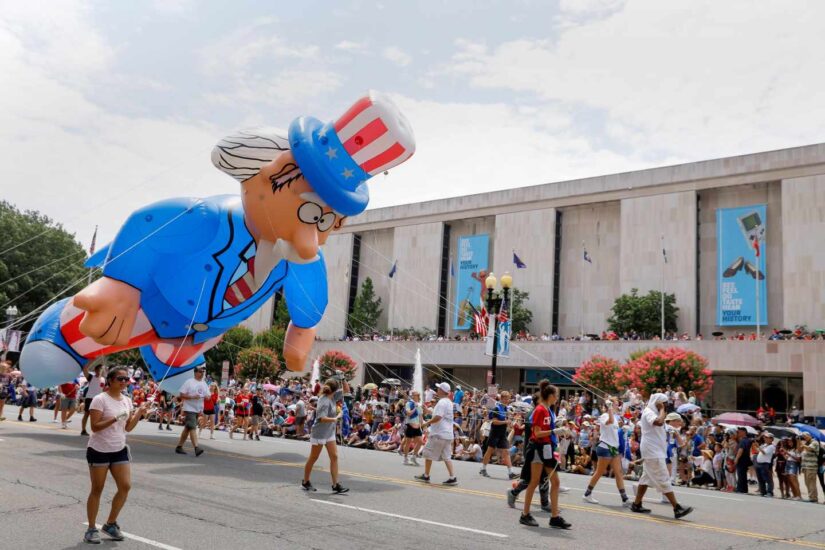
(449, 304)
(662, 296)
(756, 252)
(581, 297)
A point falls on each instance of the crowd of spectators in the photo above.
(701, 451)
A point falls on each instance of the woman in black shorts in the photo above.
(111, 417)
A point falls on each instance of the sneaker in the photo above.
(511, 498)
(257, 438)
(559, 523)
(563, 489)
(32, 419)
(160, 427)
(664, 500)
(198, 451)
(64, 426)
(680, 512)
(406, 461)
(113, 530)
(483, 472)
(423, 477)
(639, 509)
(84, 432)
(339, 489)
(512, 475)
(307, 486)
(450, 481)
(546, 508)
(414, 462)
(2, 418)
(590, 499)
(626, 503)
(20, 418)
(180, 451)
(168, 428)
(528, 520)
(92, 536)
(55, 421)
(211, 437)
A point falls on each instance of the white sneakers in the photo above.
(590, 499)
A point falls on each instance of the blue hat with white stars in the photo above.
(337, 158)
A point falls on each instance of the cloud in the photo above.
(693, 79)
(349, 46)
(397, 56)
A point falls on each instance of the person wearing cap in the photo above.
(810, 464)
(764, 460)
(654, 452)
(192, 392)
(607, 451)
(189, 269)
(440, 440)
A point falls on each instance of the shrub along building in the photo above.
(583, 244)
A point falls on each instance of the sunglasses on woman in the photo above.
(122, 378)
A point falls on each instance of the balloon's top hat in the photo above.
(337, 158)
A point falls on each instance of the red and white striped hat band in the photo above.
(375, 134)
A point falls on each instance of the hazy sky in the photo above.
(106, 106)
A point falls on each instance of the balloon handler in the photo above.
(182, 271)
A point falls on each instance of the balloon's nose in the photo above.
(305, 241)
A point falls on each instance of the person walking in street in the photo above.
(27, 401)
(323, 433)
(498, 441)
(412, 428)
(5, 382)
(94, 387)
(608, 452)
(764, 461)
(111, 416)
(68, 403)
(654, 452)
(192, 392)
(439, 444)
(257, 414)
(525, 476)
(210, 411)
(810, 464)
(544, 441)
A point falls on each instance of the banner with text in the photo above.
(742, 277)
(472, 269)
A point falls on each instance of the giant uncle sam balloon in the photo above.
(182, 271)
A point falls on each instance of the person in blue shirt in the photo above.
(458, 396)
(498, 440)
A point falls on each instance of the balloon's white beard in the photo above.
(286, 251)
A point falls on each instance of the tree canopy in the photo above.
(643, 314)
(39, 261)
(365, 311)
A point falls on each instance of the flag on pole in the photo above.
(452, 268)
(394, 269)
(587, 257)
(664, 254)
(518, 262)
(480, 320)
(94, 240)
(756, 247)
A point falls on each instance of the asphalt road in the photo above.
(246, 494)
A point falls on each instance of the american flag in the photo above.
(502, 315)
(480, 320)
(756, 247)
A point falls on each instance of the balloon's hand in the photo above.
(297, 343)
(111, 308)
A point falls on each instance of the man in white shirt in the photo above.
(440, 440)
(654, 453)
(763, 465)
(193, 392)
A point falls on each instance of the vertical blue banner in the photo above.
(472, 261)
(739, 270)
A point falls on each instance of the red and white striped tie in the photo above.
(243, 287)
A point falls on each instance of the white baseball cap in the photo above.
(443, 386)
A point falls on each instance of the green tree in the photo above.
(365, 311)
(281, 316)
(128, 357)
(643, 314)
(272, 339)
(40, 261)
(259, 363)
(234, 340)
(521, 316)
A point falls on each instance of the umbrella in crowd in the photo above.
(520, 406)
(733, 428)
(391, 382)
(811, 430)
(737, 419)
(687, 408)
(782, 431)
(270, 387)
(369, 386)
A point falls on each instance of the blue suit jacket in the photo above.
(182, 255)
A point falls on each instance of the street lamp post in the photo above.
(11, 314)
(494, 305)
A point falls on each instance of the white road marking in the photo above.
(150, 542)
(408, 518)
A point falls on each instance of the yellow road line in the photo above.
(474, 492)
